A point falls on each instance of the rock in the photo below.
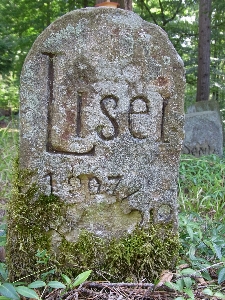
(102, 127)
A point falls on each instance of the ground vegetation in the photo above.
(200, 269)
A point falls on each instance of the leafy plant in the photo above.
(202, 221)
(2, 234)
(203, 244)
(13, 290)
(218, 295)
(8, 151)
(202, 186)
(78, 280)
(184, 287)
(9, 92)
(43, 257)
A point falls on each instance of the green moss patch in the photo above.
(31, 218)
(142, 254)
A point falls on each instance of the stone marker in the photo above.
(203, 129)
(101, 134)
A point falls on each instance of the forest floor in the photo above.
(123, 291)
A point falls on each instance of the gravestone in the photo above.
(203, 129)
(101, 135)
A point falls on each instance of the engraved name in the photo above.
(72, 137)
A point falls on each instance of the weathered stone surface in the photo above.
(203, 130)
(102, 117)
(102, 121)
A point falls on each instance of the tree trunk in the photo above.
(204, 50)
(85, 3)
(125, 4)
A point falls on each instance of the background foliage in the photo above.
(21, 21)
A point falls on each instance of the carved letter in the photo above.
(139, 121)
(165, 102)
(60, 140)
(108, 104)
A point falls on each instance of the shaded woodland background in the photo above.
(21, 21)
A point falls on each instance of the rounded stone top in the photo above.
(82, 22)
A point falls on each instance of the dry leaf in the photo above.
(166, 276)
(201, 280)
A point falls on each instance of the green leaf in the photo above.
(206, 275)
(219, 295)
(209, 244)
(44, 275)
(8, 290)
(221, 276)
(173, 286)
(180, 284)
(26, 292)
(56, 285)
(41, 253)
(3, 271)
(4, 298)
(81, 278)
(179, 298)
(190, 293)
(36, 284)
(217, 249)
(208, 292)
(66, 278)
(187, 282)
(190, 232)
(187, 271)
(18, 283)
(170, 285)
(192, 251)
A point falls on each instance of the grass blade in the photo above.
(81, 278)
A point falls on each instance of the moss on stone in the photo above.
(32, 217)
(142, 254)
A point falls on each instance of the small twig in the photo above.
(212, 266)
(119, 292)
(102, 274)
(44, 291)
(38, 272)
(101, 285)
